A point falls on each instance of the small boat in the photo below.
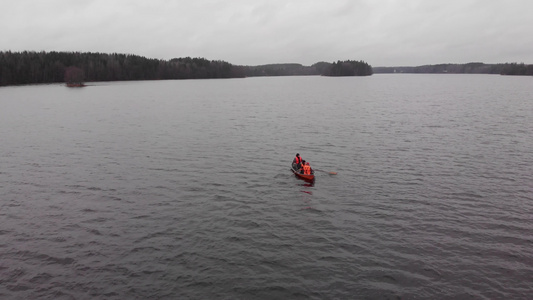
(310, 177)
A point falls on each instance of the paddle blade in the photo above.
(331, 173)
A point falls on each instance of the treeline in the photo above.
(469, 68)
(516, 69)
(279, 70)
(30, 67)
(348, 68)
(339, 68)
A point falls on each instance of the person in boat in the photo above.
(297, 162)
(306, 169)
(301, 169)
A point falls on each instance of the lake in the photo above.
(183, 190)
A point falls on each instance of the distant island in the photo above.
(339, 68)
(469, 68)
(75, 68)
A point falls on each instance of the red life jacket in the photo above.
(297, 159)
(307, 169)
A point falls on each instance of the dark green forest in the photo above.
(469, 68)
(49, 67)
(348, 68)
(31, 67)
(279, 70)
(339, 68)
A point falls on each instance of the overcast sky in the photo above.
(255, 32)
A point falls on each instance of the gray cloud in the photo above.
(381, 32)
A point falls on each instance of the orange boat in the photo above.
(310, 177)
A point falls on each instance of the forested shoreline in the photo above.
(49, 67)
(30, 67)
(339, 68)
(469, 68)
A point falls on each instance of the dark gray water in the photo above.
(182, 189)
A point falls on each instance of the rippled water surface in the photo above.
(182, 189)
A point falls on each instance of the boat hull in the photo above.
(303, 176)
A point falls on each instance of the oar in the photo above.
(332, 173)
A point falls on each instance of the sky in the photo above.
(257, 32)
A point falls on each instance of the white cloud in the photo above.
(381, 32)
